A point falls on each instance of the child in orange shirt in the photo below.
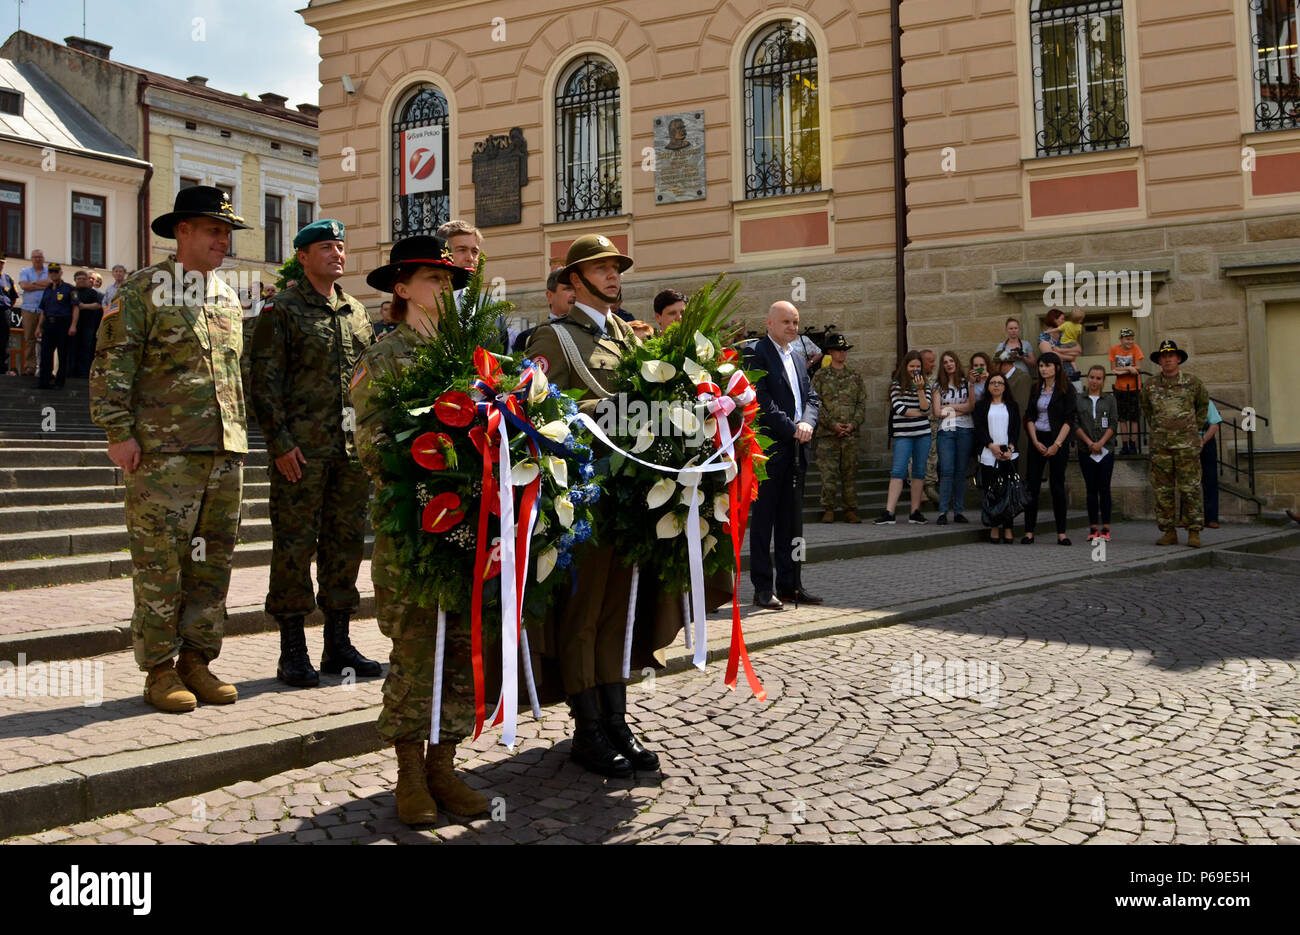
(1124, 359)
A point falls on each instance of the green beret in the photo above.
(324, 229)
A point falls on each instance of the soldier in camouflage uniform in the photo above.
(844, 409)
(165, 387)
(420, 269)
(305, 348)
(1175, 406)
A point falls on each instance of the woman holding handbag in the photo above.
(1050, 417)
(997, 433)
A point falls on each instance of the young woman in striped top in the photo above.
(909, 407)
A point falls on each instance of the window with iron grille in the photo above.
(782, 116)
(1275, 37)
(274, 229)
(1080, 94)
(588, 147)
(423, 212)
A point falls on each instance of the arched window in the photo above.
(1080, 95)
(782, 116)
(421, 133)
(588, 161)
(1275, 37)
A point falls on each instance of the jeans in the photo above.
(913, 451)
(1096, 477)
(954, 457)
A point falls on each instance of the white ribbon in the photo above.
(439, 650)
(695, 559)
(509, 602)
(631, 623)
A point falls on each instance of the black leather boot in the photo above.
(591, 748)
(295, 665)
(613, 699)
(339, 653)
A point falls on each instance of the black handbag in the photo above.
(1004, 500)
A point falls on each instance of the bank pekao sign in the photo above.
(422, 160)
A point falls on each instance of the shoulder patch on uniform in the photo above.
(544, 364)
(358, 375)
(112, 309)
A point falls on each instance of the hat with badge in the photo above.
(1169, 347)
(590, 247)
(198, 201)
(53, 268)
(324, 229)
(837, 342)
(414, 252)
(1125, 333)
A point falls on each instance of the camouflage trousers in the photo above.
(1177, 471)
(837, 462)
(408, 690)
(322, 515)
(182, 517)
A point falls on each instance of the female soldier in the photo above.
(419, 271)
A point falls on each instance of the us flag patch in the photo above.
(358, 375)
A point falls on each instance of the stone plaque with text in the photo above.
(679, 157)
(500, 173)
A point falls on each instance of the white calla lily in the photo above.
(710, 427)
(559, 469)
(658, 371)
(703, 347)
(525, 472)
(693, 370)
(707, 545)
(538, 388)
(669, 525)
(556, 431)
(660, 493)
(546, 563)
(683, 419)
(721, 507)
(564, 511)
(687, 492)
(644, 439)
(726, 369)
(730, 471)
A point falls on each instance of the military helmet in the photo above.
(593, 247)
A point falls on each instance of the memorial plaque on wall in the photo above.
(679, 157)
(500, 173)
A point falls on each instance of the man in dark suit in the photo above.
(787, 414)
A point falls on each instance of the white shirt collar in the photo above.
(784, 349)
(597, 318)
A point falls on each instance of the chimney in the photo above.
(199, 80)
(89, 46)
(311, 110)
(275, 100)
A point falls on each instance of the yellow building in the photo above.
(914, 171)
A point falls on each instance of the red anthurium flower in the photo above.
(441, 513)
(730, 355)
(487, 366)
(430, 450)
(454, 408)
(494, 562)
(486, 447)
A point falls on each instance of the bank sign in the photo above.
(422, 160)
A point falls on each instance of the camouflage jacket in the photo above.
(843, 399)
(1175, 409)
(391, 355)
(166, 369)
(305, 349)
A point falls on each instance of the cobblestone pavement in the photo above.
(1155, 709)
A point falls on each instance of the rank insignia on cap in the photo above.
(336, 229)
(604, 241)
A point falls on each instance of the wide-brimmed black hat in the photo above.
(198, 201)
(837, 342)
(1169, 347)
(407, 254)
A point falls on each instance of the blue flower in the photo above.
(581, 531)
(591, 493)
(576, 495)
(565, 542)
(525, 363)
(586, 471)
(563, 560)
(570, 407)
(553, 392)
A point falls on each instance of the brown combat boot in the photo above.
(447, 788)
(414, 804)
(828, 516)
(164, 690)
(1194, 538)
(193, 670)
(1169, 538)
(851, 517)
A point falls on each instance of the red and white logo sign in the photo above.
(422, 160)
(542, 363)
